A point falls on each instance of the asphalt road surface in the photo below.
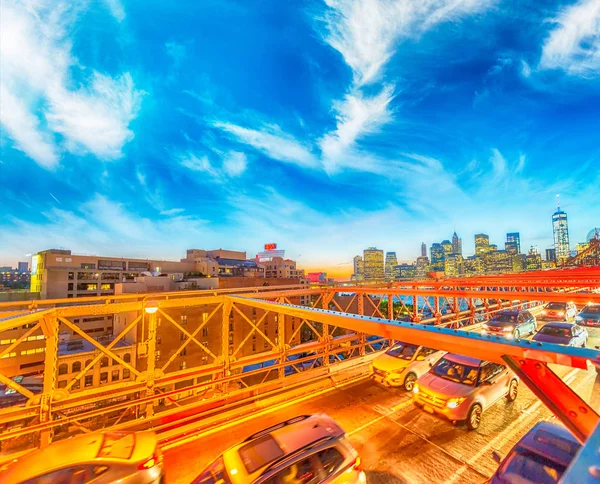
(399, 443)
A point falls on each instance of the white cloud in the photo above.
(36, 67)
(172, 211)
(574, 45)
(197, 163)
(116, 9)
(356, 116)
(234, 163)
(272, 142)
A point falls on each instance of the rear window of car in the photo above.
(556, 306)
(117, 445)
(259, 453)
(565, 445)
(214, 474)
(505, 317)
(556, 331)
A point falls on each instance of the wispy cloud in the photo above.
(116, 9)
(273, 142)
(37, 79)
(574, 44)
(234, 163)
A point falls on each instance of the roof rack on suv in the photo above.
(277, 426)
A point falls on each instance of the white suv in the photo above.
(403, 365)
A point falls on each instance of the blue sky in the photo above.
(145, 128)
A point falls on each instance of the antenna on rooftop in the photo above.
(558, 202)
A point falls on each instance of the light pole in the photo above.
(150, 308)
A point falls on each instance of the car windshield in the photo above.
(117, 445)
(403, 351)
(505, 317)
(214, 473)
(449, 370)
(556, 331)
(524, 466)
(595, 309)
(260, 452)
(556, 306)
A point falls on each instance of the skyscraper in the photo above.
(423, 249)
(447, 246)
(358, 268)
(551, 255)
(561, 233)
(482, 244)
(23, 267)
(373, 263)
(437, 257)
(456, 244)
(513, 243)
(390, 262)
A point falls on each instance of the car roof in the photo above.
(63, 453)
(552, 441)
(509, 311)
(560, 325)
(464, 360)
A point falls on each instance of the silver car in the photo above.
(99, 457)
(403, 364)
(461, 388)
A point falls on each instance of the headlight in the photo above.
(561, 313)
(416, 388)
(543, 311)
(398, 371)
(508, 328)
(578, 318)
(454, 402)
(484, 326)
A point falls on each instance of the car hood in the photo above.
(594, 316)
(389, 363)
(500, 324)
(443, 387)
(547, 338)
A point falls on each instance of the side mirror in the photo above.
(420, 358)
(496, 457)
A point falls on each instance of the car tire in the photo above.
(409, 382)
(513, 391)
(474, 416)
(584, 343)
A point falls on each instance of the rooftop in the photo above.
(83, 346)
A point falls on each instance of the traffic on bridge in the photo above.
(455, 380)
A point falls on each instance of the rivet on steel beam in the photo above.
(594, 471)
(538, 366)
(583, 409)
(572, 413)
(521, 362)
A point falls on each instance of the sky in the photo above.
(144, 128)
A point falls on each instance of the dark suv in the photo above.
(511, 323)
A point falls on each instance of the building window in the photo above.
(71, 276)
(183, 352)
(106, 287)
(182, 336)
(184, 319)
(115, 375)
(76, 385)
(127, 358)
(88, 266)
(70, 286)
(182, 365)
(62, 383)
(89, 380)
(204, 317)
(104, 362)
(230, 326)
(63, 369)
(204, 360)
(253, 346)
(9, 355)
(254, 336)
(230, 350)
(230, 338)
(205, 332)
(88, 363)
(76, 367)
(103, 377)
(266, 344)
(8, 341)
(126, 373)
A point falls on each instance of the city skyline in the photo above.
(299, 129)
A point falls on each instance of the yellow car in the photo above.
(305, 449)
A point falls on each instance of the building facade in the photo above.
(390, 262)
(423, 249)
(482, 244)
(456, 244)
(437, 257)
(513, 243)
(373, 264)
(560, 229)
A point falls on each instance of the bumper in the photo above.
(546, 317)
(590, 323)
(389, 380)
(502, 334)
(453, 414)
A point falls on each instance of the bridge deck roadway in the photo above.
(397, 442)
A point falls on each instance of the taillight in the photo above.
(148, 464)
(356, 465)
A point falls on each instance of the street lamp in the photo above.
(151, 307)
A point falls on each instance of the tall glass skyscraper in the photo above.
(561, 234)
(390, 261)
(437, 257)
(456, 244)
(513, 243)
(373, 263)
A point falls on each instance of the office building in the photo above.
(422, 266)
(404, 271)
(482, 244)
(560, 229)
(390, 262)
(551, 255)
(23, 267)
(448, 248)
(456, 244)
(423, 249)
(513, 243)
(373, 264)
(437, 257)
(453, 265)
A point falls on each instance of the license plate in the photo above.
(428, 409)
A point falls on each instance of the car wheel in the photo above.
(474, 417)
(513, 390)
(584, 343)
(409, 382)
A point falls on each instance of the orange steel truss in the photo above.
(341, 324)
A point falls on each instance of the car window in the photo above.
(260, 452)
(117, 445)
(556, 306)
(450, 370)
(403, 351)
(68, 475)
(489, 371)
(301, 472)
(214, 474)
(530, 467)
(331, 460)
(505, 317)
(556, 331)
(591, 309)
(425, 352)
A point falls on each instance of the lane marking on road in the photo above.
(510, 430)
(393, 410)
